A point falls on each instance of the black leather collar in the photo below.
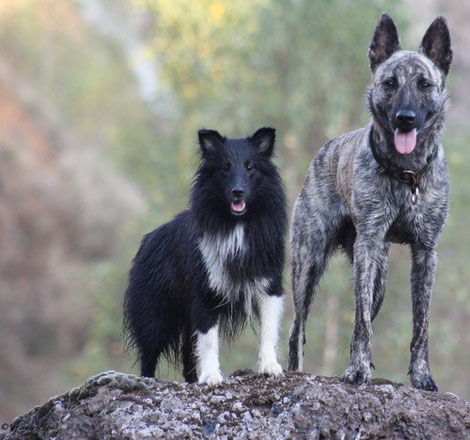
(411, 178)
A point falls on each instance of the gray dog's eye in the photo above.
(390, 83)
(424, 84)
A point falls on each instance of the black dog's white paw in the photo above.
(357, 375)
(270, 367)
(211, 378)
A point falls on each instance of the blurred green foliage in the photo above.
(240, 65)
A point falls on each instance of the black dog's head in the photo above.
(235, 173)
(407, 95)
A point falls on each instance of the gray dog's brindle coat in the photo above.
(347, 202)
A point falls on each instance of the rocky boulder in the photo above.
(114, 405)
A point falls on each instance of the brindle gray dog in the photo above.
(384, 183)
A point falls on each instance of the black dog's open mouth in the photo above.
(238, 207)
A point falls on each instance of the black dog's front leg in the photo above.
(205, 316)
(368, 252)
(422, 279)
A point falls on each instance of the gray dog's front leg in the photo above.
(422, 279)
(367, 252)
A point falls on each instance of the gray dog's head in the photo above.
(407, 97)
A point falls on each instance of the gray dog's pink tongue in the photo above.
(405, 141)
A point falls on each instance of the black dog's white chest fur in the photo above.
(218, 252)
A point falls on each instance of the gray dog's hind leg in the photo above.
(422, 279)
(310, 256)
(305, 279)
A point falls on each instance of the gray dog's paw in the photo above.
(357, 375)
(423, 382)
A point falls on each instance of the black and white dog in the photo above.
(216, 263)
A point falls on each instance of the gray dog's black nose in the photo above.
(237, 191)
(405, 116)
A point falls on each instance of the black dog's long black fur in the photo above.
(169, 297)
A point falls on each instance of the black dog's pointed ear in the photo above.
(436, 44)
(263, 140)
(384, 42)
(210, 140)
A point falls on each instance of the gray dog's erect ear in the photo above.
(263, 140)
(436, 44)
(210, 140)
(384, 42)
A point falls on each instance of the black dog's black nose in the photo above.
(238, 191)
(405, 116)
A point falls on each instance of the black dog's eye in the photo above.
(249, 167)
(424, 84)
(390, 83)
(226, 167)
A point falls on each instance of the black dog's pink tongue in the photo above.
(238, 206)
(405, 141)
